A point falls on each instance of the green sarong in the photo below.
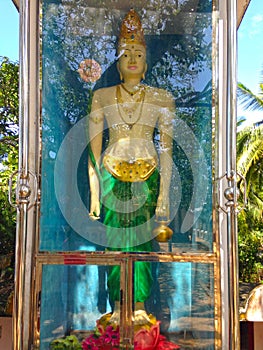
(127, 208)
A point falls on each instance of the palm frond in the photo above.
(240, 121)
(248, 99)
(260, 90)
(243, 138)
(250, 156)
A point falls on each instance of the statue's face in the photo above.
(132, 61)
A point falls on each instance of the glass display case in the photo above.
(124, 244)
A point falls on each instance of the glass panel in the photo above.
(79, 58)
(72, 298)
(179, 304)
(182, 300)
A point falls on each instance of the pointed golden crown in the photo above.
(131, 31)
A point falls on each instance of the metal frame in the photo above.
(231, 175)
(228, 186)
(29, 261)
(28, 167)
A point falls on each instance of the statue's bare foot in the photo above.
(141, 317)
(115, 317)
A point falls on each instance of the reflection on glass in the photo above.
(185, 309)
(72, 299)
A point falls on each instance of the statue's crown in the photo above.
(131, 31)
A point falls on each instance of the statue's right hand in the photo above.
(94, 208)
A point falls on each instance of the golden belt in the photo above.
(130, 171)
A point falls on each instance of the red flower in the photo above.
(164, 344)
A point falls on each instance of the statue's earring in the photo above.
(118, 68)
(145, 70)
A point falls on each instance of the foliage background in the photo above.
(9, 111)
(250, 165)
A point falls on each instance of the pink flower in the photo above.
(108, 339)
(147, 339)
(91, 343)
(106, 347)
(152, 340)
(111, 336)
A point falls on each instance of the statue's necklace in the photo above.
(127, 113)
(131, 93)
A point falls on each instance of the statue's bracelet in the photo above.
(164, 220)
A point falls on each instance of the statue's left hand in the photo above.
(162, 210)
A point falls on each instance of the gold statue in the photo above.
(132, 111)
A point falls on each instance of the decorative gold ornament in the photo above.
(105, 321)
(89, 70)
(162, 233)
(134, 171)
(131, 31)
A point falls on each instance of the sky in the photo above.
(9, 30)
(250, 46)
(250, 54)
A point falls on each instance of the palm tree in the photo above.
(250, 149)
(250, 165)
